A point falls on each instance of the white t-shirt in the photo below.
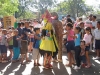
(94, 24)
(96, 34)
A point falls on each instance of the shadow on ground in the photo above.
(58, 68)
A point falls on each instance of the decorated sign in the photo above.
(9, 21)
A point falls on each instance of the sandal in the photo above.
(38, 64)
(50, 66)
(46, 67)
(28, 61)
(88, 66)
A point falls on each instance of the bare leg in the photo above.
(11, 53)
(27, 59)
(72, 59)
(98, 53)
(69, 58)
(88, 58)
(45, 60)
(22, 58)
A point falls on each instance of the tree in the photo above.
(28, 15)
(22, 7)
(8, 7)
(42, 5)
(75, 8)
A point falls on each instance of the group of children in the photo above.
(79, 39)
(11, 40)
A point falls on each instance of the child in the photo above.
(97, 40)
(82, 54)
(81, 25)
(10, 42)
(88, 38)
(16, 46)
(36, 42)
(77, 47)
(3, 46)
(70, 43)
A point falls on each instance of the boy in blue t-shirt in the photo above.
(36, 43)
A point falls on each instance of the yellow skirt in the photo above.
(47, 44)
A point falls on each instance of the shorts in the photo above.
(10, 47)
(3, 49)
(87, 48)
(36, 54)
(97, 44)
(70, 46)
(24, 47)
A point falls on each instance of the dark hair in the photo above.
(69, 20)
(90, 15)
(88, 29)
(78, 28)
(70, 25)
(62, 17)
(98, 22)
(22, 23)
(35, 29)
(81, 22)
(82, 41)
(19, 24)
(80, 19)
(94, 17)
(68, 15)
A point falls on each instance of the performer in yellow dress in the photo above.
(48, 45)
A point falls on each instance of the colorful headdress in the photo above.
(47, 16)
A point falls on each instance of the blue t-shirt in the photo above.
(36, 42)
(77, 40)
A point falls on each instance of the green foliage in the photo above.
(8, 7)
(28, 15)
(22, 7)
(42, 5)
(73, 7)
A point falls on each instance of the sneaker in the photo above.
(77, 68)
(97, 58)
